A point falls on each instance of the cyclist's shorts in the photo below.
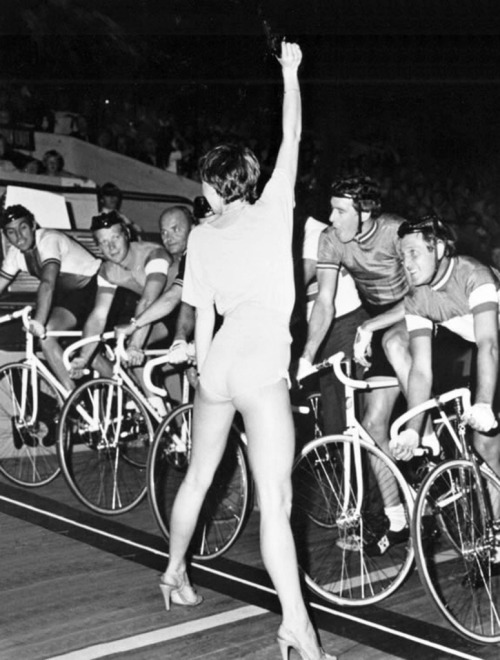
(380, 365)
(78, 302)
(244, 357)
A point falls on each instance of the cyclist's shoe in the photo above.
(380, 545)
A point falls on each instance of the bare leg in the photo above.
(60, 319)
(396, 344)
(211, 423)
(379, 406)
(271, 443)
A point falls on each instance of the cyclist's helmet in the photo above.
(433, 229)
(364, 192)
(15, 212)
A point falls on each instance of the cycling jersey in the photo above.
(372, 259)
(143, 259)
(77, 265)
(467, 286)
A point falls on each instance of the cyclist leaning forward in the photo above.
(365, 242)
(461, 294)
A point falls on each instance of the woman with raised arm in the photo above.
(241, 262)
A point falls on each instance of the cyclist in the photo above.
(340, 335)
(461, 294)
(365, 242)
(140, 267)
(175, 226)
(67, 274)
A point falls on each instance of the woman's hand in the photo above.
(291, 55)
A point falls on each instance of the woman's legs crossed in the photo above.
(211, 423)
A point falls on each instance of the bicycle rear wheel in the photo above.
(104, 437)
(227, 502)
(336, 526)
(28, 436)
(457, 548)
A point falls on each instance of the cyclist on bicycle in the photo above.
(67, 274)
(364, 242)
(462, 294)
(140, 267)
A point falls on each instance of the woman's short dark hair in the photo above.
(233, 172)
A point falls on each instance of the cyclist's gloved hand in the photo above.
(134, 356)
(178, 352)
(36, 328)
(403, 447)
(362, 347)
(480, 417)
(78, 368)
(304, 369)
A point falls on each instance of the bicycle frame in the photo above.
(36, 365)
(354, 430)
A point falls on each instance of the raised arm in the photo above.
(288, 155)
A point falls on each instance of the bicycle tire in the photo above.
(332, 547)
(28, 454)
(104, 437)
(455, 549)
(227, 503)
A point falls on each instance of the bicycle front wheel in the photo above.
(30, 407)
(457, 547)
(341, 532)
(104, 438)
(226, 504)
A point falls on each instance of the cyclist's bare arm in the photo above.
(4, 283)
(161, 307)
(155, 283)
(185, 323)
(96, 322)
(387, 319)
(486, 334)
(45, 293)
(323, 312)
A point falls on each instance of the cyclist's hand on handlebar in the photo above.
(78, 368)
(304, 369)
(403, 447)
(178, 352)
(480, 417)
(362, 347)
(36, 328)
(134, 356)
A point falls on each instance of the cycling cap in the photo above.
(105, 220)
(15, 212)
(358, 188)
(429, 225)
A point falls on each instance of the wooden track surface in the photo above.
(77, 585)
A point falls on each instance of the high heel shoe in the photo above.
(287, 640)
(179, 593)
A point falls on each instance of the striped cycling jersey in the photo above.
(466, 287)
(143, 259)
(372, 259)
(76, 264)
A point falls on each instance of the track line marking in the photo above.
(135, 642)
(232, 578)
